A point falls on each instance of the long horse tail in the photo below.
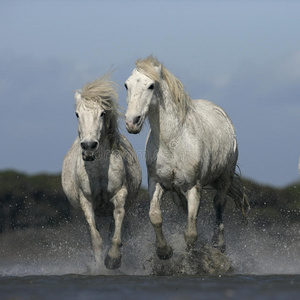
(238, 194)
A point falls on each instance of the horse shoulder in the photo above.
(68, 175)
(124, 168)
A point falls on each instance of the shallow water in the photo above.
(37, 263)
(67, 250)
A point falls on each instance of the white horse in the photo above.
(101, 167)
(191, 144)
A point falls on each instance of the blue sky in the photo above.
(242, 55)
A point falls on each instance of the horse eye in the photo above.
(102, 114)
(151, 87)
(77, 115)
(126, 87)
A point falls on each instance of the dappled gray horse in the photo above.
(191, 144)
(101, 167)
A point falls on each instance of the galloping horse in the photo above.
(101, 167)
(191, 144)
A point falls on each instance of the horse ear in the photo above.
(77, 96)
(159, 70)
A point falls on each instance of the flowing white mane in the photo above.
(102, 92)
(181, 99)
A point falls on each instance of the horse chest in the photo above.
(99, 178)
(92, 179)
(92, 185)
(173, 172)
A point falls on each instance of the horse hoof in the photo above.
(112, 263)
(164, 253)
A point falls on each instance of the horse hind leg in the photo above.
(218, 240)
(114, 257)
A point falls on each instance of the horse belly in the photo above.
(183, 174)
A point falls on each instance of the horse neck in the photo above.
(163, 116)
(106, 146)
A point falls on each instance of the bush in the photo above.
(39, 201)
(31, 201)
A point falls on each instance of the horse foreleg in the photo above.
(193, 200)
(218, 240)
(96, 239)
(163, 250)
(113, 258)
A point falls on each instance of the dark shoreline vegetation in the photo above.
(38, 201)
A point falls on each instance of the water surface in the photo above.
(144, 287)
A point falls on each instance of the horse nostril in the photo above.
(89, 145)
(94, 145)
(136, 119)
(83, 146)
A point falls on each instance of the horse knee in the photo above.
(155, 218)
(119, 214)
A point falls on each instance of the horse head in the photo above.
(97, 115)
(142, 88)
(90, 119)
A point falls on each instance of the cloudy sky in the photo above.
(242, 55)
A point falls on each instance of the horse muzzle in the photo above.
(89, 150)
(134, 125)
(88, 155)
(133, 129)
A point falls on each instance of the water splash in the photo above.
(56, 251)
